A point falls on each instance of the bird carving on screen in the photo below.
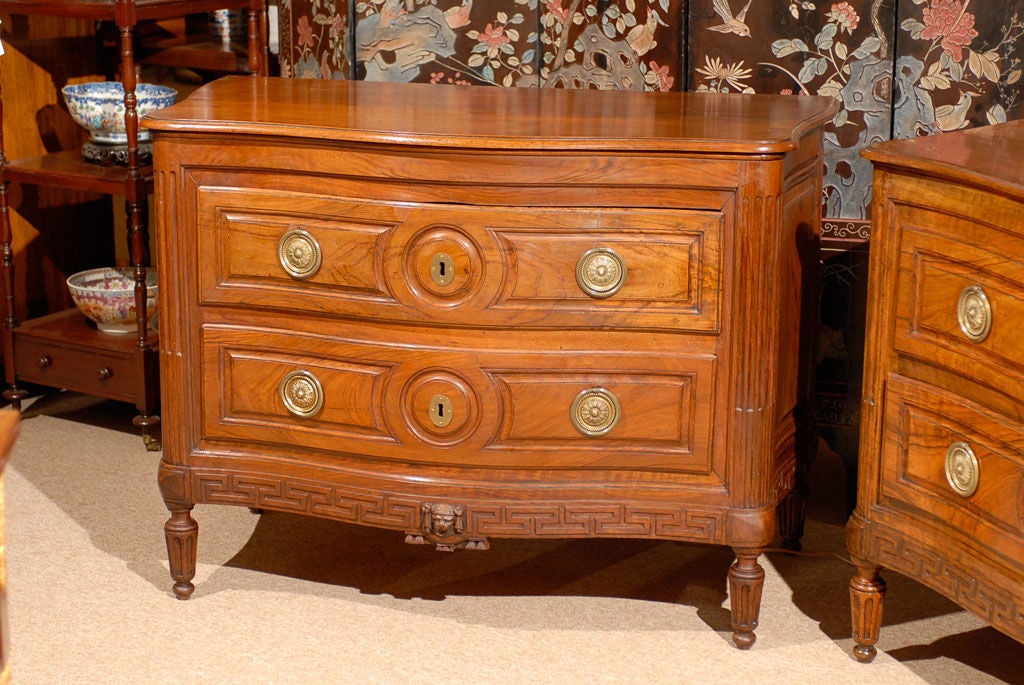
(730, 23)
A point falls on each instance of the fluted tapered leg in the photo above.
(867, 590)
(746, 581)
(182, 533)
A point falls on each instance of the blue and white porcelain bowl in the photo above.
(107, 296)
(98, 107)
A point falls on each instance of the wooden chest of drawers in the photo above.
(481, 313)
(941, 485)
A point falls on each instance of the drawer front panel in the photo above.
(87, 371)
(960, 298)
(458, 265)
(955, 465)
(457, 405)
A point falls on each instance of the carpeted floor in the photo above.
(288, 599)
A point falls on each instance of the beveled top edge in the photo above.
(988, 156)
(496, 118)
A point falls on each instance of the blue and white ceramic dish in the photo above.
(98, 107)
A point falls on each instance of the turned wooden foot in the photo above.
(867, 590)
(792, 510)
(182, 533)
(746, 581)
(149, 427)
(15, 395)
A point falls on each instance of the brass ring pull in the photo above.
(595, 412)
(299, 253)
(600, 272)
(301, 393)
(974, 313)
(962, 469)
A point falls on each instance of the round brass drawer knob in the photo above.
(962, 469)
(299, 253)
(301, 393)
(974, 313)
(595, 412)
(600, 272)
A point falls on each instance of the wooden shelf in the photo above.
(70, 327)
(67, 169)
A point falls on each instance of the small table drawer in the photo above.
(102, 373)
(458, 265)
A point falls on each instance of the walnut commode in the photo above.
(941, 483)
(473, 313)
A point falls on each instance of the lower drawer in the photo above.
(95, 372)
(954, 466)
(448, 404)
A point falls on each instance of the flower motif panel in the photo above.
(315, 39)
(612, 44)
(838, 49)
(462, 42)
(959, 65)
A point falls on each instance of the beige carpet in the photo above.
(287, 599)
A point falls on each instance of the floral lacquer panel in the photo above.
(463, 42)
(315, 38)
(841, 49)
(958, 65)
(612, 44)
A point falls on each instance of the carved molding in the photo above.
(1000, 604)
(845, 230)
(482, 518)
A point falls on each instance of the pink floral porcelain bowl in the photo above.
(107, 296)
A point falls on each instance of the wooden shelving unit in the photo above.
(63, 349)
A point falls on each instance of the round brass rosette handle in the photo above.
(595, 412)
(962, 469)
(299, 253)
(974, 313)
(600, 272)
(301, 393)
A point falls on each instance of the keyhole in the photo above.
(442, 269)
(440, 411)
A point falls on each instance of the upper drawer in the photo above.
(953, 465)
(960, 297)
(460, 265)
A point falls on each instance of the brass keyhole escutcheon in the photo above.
(299, 254)
(974, 313)
(301, 393)
(962, 469)
(440, 410)
(442, 268)
(600, 272)
(595, 412)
